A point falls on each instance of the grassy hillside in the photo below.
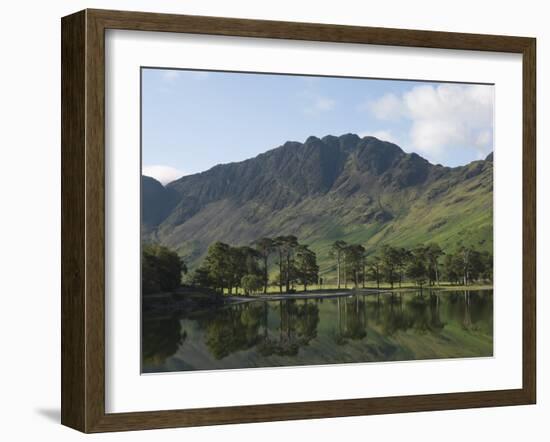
(362, 191)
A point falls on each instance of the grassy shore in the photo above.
(328, 289)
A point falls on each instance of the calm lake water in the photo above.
(356, 328)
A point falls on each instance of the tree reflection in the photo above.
(297, 327)
(471, 308)
(467, 321)
(419, 313)
(436, 324)
(394, 317)
(241, 327)
(361, 327)
(161, 339)
(394, 313)
(352, 319)
(233, 329)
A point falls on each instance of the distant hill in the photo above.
(360, 190)
(157, 202)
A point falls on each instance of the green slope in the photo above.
(358, 190)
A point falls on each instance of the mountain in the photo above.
(157, 202)
(360, 190)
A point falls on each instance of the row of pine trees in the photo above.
(228, 268)
(424, 265)
(232, 269)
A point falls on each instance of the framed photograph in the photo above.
(269, 220)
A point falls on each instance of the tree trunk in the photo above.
(345, 276)
(338, 269)
(280, 272)
(287, 272)
(266, 276)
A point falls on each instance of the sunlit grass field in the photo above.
(333, 287)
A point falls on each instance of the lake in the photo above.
(354, 328)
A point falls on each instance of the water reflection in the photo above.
(393, 316)
(356, 328)
(232, 329)
(297, 327)
(352, 319)
(161, 338)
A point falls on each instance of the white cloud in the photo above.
(444, 119)
(318, 104)
(384, 135)
(484, 138)
(388, 107)
(164, 174)
(170, 75)
(324, 104)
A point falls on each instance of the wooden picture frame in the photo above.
(83, 220)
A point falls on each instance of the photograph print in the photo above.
(291, 220)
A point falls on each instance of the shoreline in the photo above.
(343, 293)
(187, 299)
(188, 295)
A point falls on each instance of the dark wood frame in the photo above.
(83, 220)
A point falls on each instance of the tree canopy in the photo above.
(161, 269)
(236, 269)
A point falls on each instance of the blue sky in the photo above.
(193, 120)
